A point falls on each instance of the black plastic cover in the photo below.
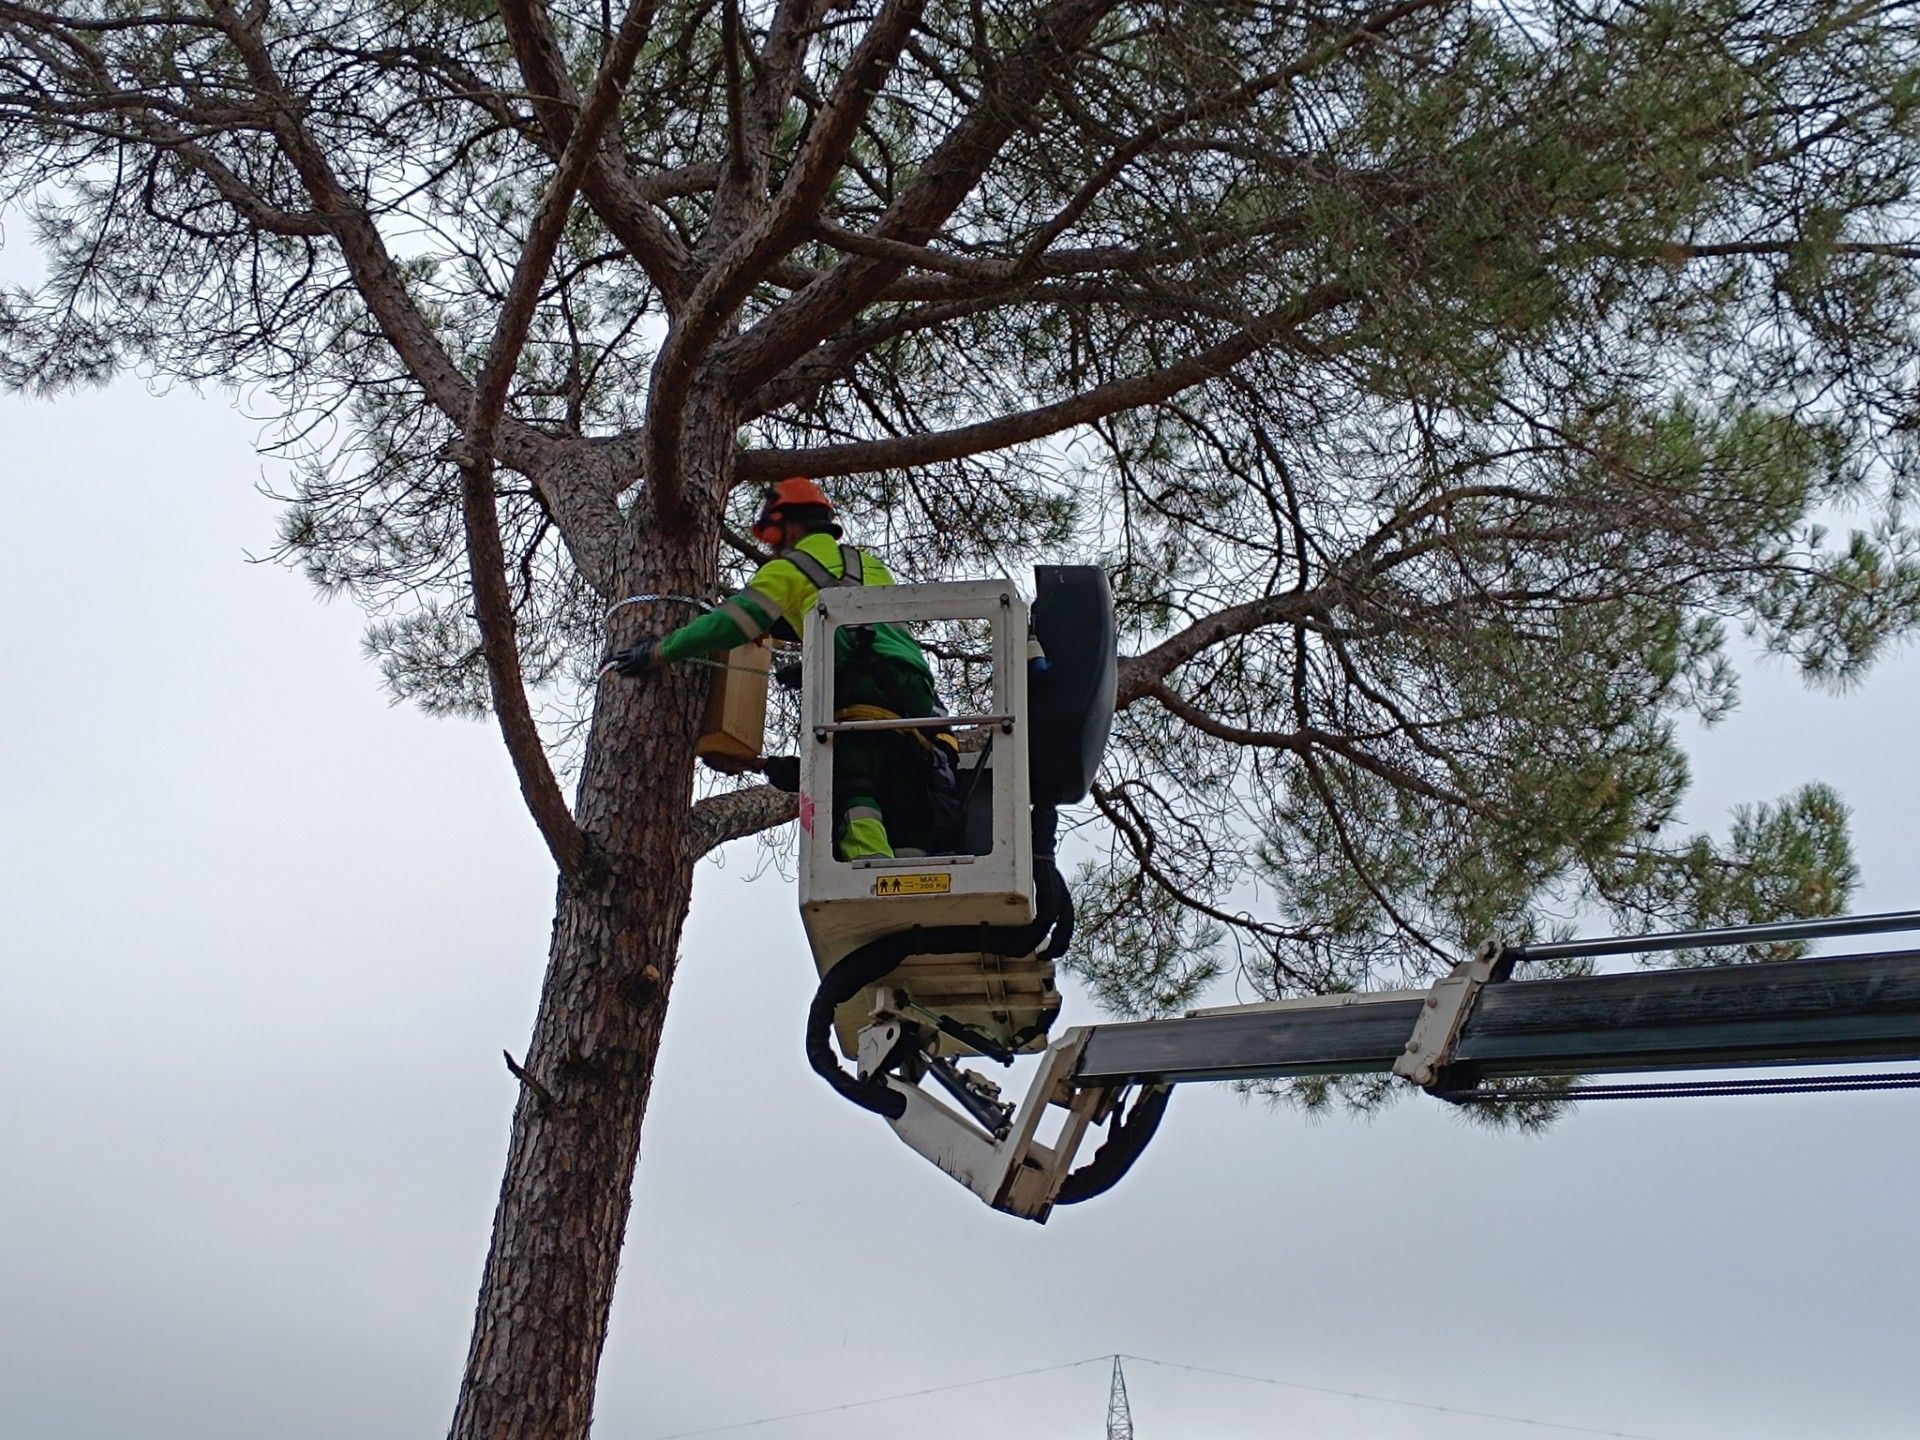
(1070, 701)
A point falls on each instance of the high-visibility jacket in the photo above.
(776, 601)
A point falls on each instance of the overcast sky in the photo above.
(263, 938)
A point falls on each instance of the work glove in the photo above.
(782, 772)
(636, 660)
(787, 676)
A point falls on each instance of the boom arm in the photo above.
(1476, 1024)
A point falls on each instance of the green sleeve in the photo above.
(712, 632)
(717, 630)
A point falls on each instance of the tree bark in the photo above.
(547, 1287)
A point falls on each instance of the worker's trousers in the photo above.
(893, 791)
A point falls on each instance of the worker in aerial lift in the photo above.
(894, 791)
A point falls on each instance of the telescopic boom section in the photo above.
(1478, 1024)
(1797, 1012)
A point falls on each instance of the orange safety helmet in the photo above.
(791, 499)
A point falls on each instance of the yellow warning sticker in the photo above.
(937, 884)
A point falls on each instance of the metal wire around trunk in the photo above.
(620, 605)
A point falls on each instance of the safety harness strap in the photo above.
(815, 572)
(880, 712)
(853, 568)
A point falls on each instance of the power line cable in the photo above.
(884, 1399)
(1170, 1365)
(1394, 1400)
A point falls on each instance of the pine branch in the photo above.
(493, 605)
(950, 173)
(620, 198)
(743, 265)
(735, 814)
(1021, 427)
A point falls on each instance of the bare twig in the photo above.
(519, 1072)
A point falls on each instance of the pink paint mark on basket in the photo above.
(806, 813)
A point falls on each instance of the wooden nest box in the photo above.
(735, 724)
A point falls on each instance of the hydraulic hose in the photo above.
(1125, 1142)
(1062, 932)
(877, 959)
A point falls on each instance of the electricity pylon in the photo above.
(1119, 1417)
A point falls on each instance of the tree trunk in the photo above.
(548, 1283)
